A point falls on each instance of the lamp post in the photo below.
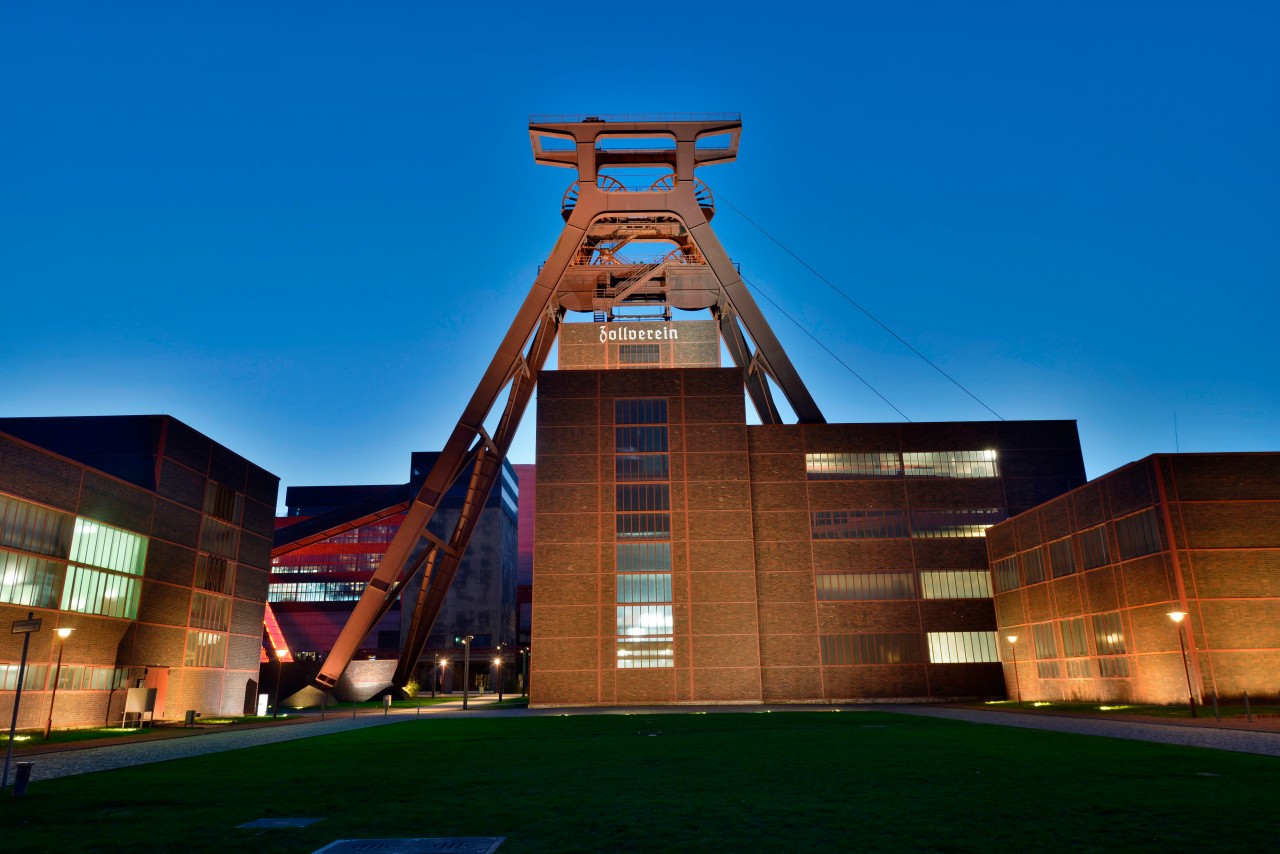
(63, 634)
(466, 666)
(1017, 680)
(524, 663)
(435, 676)
(275, 700)
(497, 669)
(1178, 617)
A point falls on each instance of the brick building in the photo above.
(1087, 582)
(684, 556)
(151, 542)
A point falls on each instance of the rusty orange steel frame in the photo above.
(583, 273)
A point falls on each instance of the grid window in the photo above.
(33, 679)
(1047, 666)
(643, 526)
(962, 647)
(1033, 566)
(32, 581)
(215, 573)
(958, 464)
(1060, 557)
(205, 649)
(956, 584)
(223, 502)
(1005, 573)
(1108, 634)
(851, 466)
(90, 591)
(85, 678)
(34, 529)
(645, 652)
(646, 496)
(210, 612)
(642, 467)
(1093, 548)
(864, 586)
(1113, 668)
(643, 557)
(316, 591)
(1139, 534)
(640, 440)
(218, 537)
(858, 524)
(639, 354)
(1074, 642)
(105, 547)
(644, 587)
(871, 649)
(652, 411)
(954, 524)
(1078, 668)
(305, 563)
(641, 620)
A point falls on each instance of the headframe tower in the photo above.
(585, 272)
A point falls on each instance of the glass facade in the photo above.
(943, 464)
(855, 586)
(956, 584)
(962, 647)
(893, 524)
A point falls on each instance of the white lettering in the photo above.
(603, 335)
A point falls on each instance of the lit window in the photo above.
(954, 524)
(205, 649)
(31, 581)
(644, 587)
(858, 524)
(851, 466)
(958, 464)
(91, 591)
(863, 586)
(105, 547)
(34, 529)
(33, 679)
(956, 584)
(962, 647)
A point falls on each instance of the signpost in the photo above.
(26, 628)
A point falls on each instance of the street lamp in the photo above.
(435, 675)
(1017, 680)
(275, 699)
(63, 634)
(524, 661)
(497, 665)
(1178, 617)
(465, 640)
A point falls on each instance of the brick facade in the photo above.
(148, 476)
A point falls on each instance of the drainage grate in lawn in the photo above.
(430, 845)
(279, 822)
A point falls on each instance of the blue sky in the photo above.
(303, 228)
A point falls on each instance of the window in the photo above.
(313, 591)
(851, 466)
(959, 464)
(205, 649)
(1108, 639)
(956, 584)
(1075, 644)
(648, 496)
(645, 626)
(32, 581)
(92, 591)
(1005, 572)
(962, 647)
(215, 573)
(858, 524)
(305, 563)
(223, 502)
(1139, 534)
(1093, 548)
(953, 524)
(838, 586)
(639, 354)
(1060, 557)
(219, 538)
(210, 612)
(870, 649)
(84, 678)
(106, 547)
(33, 679)
(1046, 650)
(34, 529)
(1033, 566)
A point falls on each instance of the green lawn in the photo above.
(63, 736)
(805, 781)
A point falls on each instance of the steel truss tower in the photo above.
(585, 272)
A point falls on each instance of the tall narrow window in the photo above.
(644, 633)
(1046, 651)
(1093, 548)
(1060, 557)
(1139, 534)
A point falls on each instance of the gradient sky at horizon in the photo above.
(302, 228)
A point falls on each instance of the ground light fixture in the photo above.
(1178, 617)
(1017, 680)
(63, 634)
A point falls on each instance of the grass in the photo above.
(66, 736)
(802, 781)
(1226, 710)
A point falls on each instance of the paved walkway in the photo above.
(1232, 737)
(89, 758)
